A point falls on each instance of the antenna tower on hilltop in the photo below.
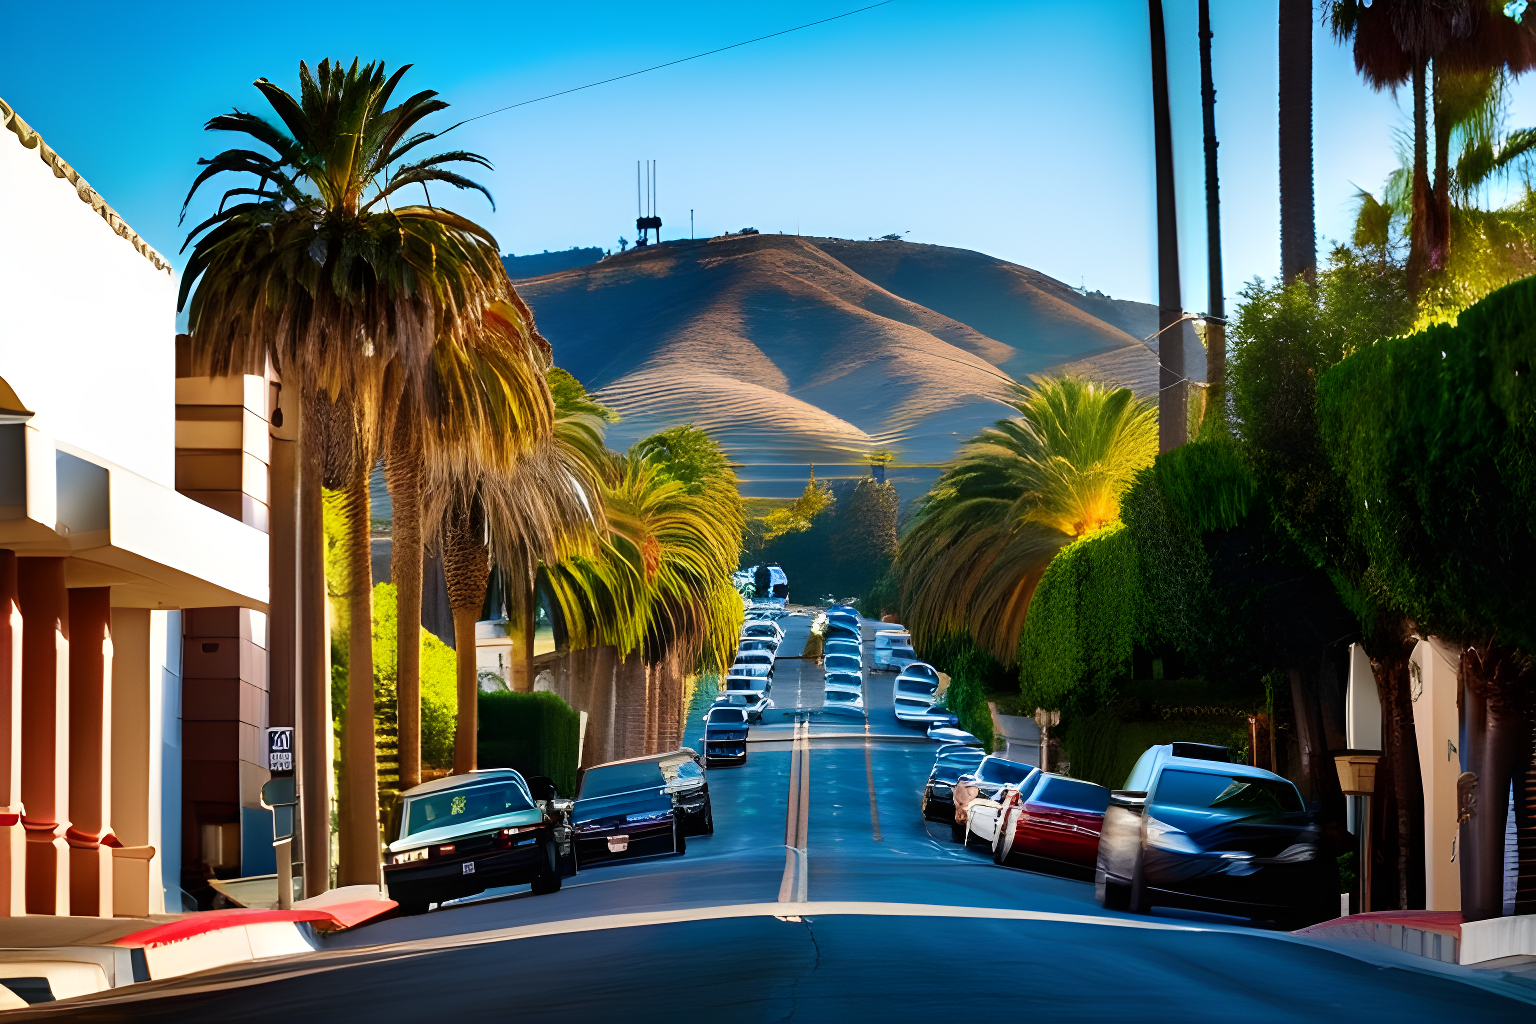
(646, 220)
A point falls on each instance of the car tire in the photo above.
(1136, 893)
(549, 877)
(1114, 895)
(957, 831)
(679, 841)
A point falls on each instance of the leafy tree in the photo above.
(1433, 435)
(800, 514)
(1018, 493)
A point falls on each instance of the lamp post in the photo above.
(1357, 777)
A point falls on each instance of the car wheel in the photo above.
(957, 831)
(1136, 893)
(709, 820)
(1113, 895)
(548, 879)
(679, 841)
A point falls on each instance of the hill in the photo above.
(817, 350)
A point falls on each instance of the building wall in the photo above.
(1433, 685)
(72, 290)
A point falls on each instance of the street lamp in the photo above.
(1357, 777)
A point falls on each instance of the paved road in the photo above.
(878, 915)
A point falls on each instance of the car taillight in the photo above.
(443, 851)
(410, 855)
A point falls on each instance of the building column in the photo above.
(13, 853)
(135, 881)
(90, 836)
(45, 731)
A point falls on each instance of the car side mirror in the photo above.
(1130, 799)
(542, 787)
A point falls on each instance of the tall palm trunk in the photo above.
(1399, 884)
(1495, 685)
(1419, 237)
(522, 612)
(314, 731)
(1173, 393)
(359, 855)
(1298, 229)
(1439, 235)
(402, 471)
(467, 566)
(1216, 326)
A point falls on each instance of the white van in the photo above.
(893, 650)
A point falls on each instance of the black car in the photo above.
(461, 835)
(725, 735)
(938, 791)
(1191, 831)
(640, 807)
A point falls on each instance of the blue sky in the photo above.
(1019, 129)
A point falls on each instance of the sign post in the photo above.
(280, 796)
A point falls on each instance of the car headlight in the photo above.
(410, 855)
(1165, 837)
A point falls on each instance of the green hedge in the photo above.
(535, 733)
(1103, 747)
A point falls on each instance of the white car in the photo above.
(915, 693)
(763, 658)
(843, 698)
(752, 681)
(893, 650)
(762, 629)
(770, 646)
(920, 673)
(845, 681)
(843, 647)
(753, 705)
(843, 663)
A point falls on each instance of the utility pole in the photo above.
(1172, 392)
(1216, 307)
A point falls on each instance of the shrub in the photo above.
(536, 733)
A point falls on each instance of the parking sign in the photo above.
(280, 748)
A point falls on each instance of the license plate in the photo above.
(618, 844)
(469, 867)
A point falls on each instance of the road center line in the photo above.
(869, 774)
(794, 883)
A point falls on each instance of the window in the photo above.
(1241, 796)
(1081, 796)
(999, 772)
(620, 778)
(464, 804)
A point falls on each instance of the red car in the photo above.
(1056, 820)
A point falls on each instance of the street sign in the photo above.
(280, 748)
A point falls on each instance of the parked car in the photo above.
(839, 631)
(458, 836)
(918, 677)
(913, 695)
(948, 731)
(1055, 820)
(843, 663)
(845, 680)
(893, 650)
(640, 807)
(986, 784)
(753, 706)
(843, 698)
(1190, 831)
(954, 760)
(725, 735)
(762, 629)
(752, 681)
(758, 644)
(852, 648)
(763, 658)
(845, 615)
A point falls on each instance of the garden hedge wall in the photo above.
(536, 733)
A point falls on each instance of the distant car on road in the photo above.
(913, 695)
(725, 735)
(893, 650)
(949, 731)
(839, 631)
(763, 658)
(752, 681)
(1056, 820)
(756, 644)
(753, 706)
(1191, 831)
(845, 680)
(762, 629)
(843, 663)
(852, 648)
(458, 836)
(985, 787)
(952, 762)
(843, 698)
(918, 677)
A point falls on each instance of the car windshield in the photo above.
(925, 671)
(464, 804)
(620, 778)
(843, 661)
(1082, 796)
(1239, 795)
(915, 686)
(727, 715)
(750, 672)
(909, 702)
(1001, 773)
(845, 678)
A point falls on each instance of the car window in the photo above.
(680, 766)
(1000, 773)
(619, 778)
(464, 804)
(915, 686)
(1082, 796)
(727, 715)
(908, 702)
(926, 671)
(1237, 794)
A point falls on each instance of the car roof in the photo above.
(667, 756)
(468, 779)
(1165, 758)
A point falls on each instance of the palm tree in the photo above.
(1017, 493)
(1216, 326)
(1298, 228)
(317, 272)
(1172, 388)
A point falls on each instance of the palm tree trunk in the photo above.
(1216, 307)
(1298, 229)
(315, 678)
(1399, 883)
(402, 472)
(1440, 196)
(1419, 226)
(522, 612)
(466, 564)
(1173, 393)
(1494, 687)
(359, 863)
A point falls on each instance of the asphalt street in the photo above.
(822, 895)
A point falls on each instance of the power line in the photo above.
(668, 64)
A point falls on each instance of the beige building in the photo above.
(131, 505)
